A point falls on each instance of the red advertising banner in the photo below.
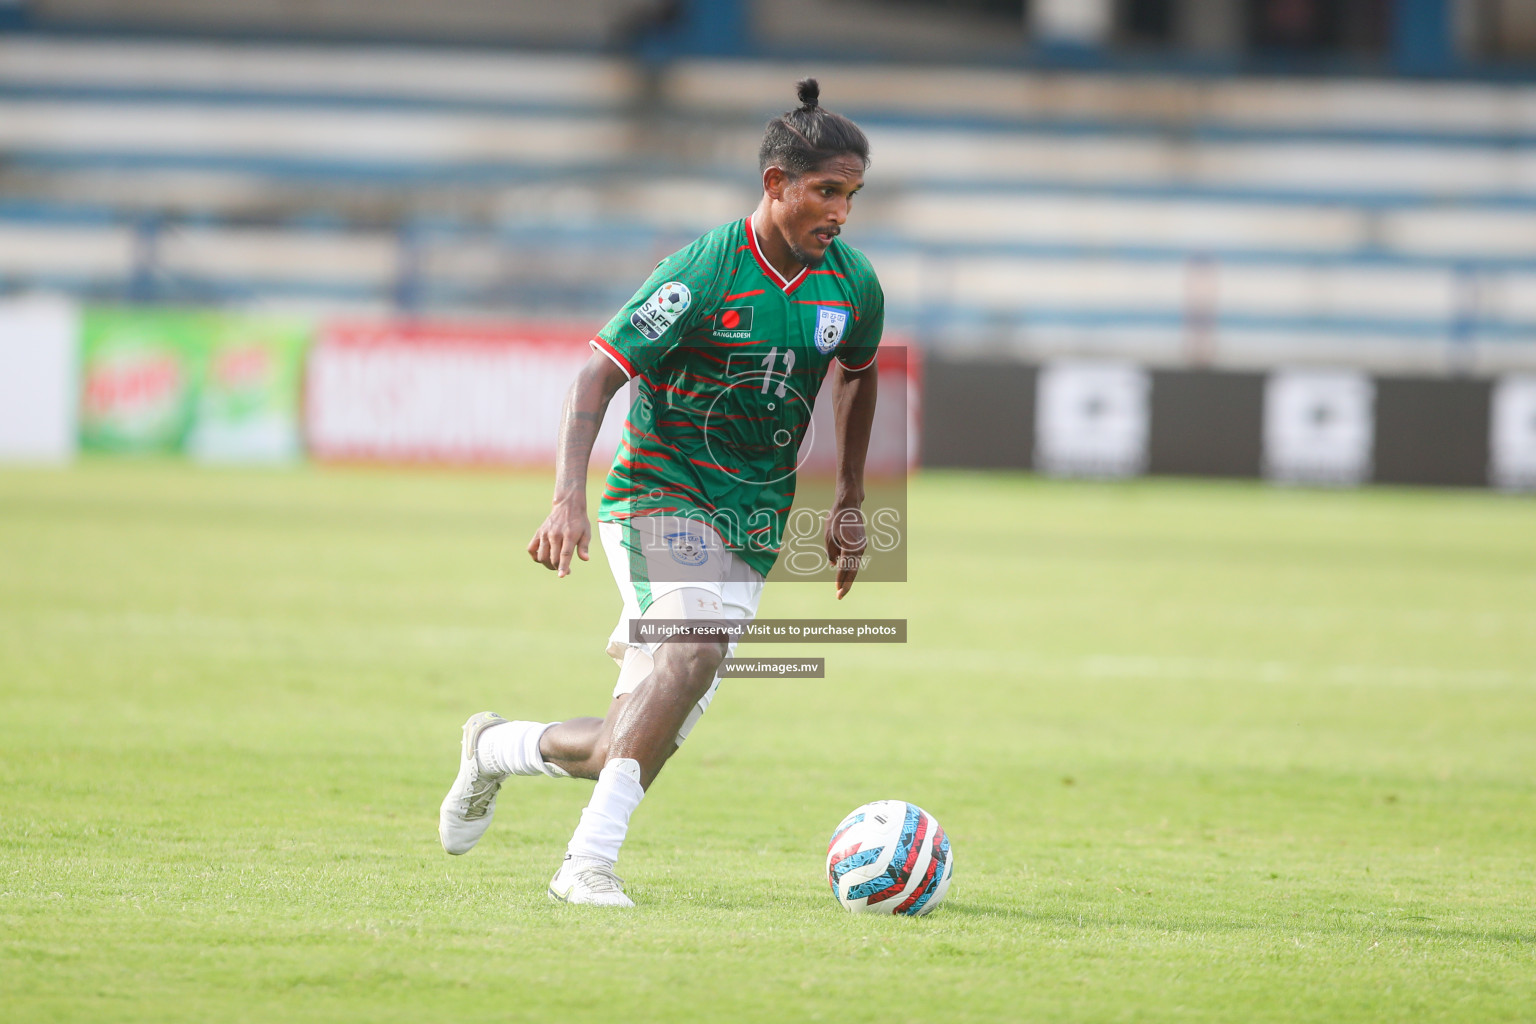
(462, 394)
(491, 394)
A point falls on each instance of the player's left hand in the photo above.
(845, 545)
(566, 531)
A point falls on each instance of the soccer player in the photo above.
(725, 347)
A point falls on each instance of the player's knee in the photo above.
(708, 657)
(697, 660)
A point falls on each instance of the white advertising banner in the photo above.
(1513, 434)
(1080, 22)
(39, 370)
(1319, 426)
(418, 393)
(1091, 419)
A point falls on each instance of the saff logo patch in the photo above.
(662, 309)
(687, 548)
(830, 325)
(733, 322)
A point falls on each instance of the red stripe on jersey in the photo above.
(706, 506)
(856, 369)
(715, 465)
(636, 451)
(713, 428)
(686, 487)
(648, 436)
(625, 442)
(613, 353)
(832, 272)
(637, 464)
(743, 295)
(642, 512)
(680, 391)
(760, 529)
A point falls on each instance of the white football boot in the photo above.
(470, 803)
(588, 882)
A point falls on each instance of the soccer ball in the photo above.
(889, 857)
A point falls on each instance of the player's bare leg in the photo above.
(579, 746)
(645, 728)
(640, 734)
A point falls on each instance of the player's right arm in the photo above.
(662, 311)
(567, 530)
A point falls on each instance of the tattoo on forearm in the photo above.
(578, 432)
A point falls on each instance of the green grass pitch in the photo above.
(1207, 752)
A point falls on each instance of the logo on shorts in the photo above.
(733, 322)
(687, 548)
(830, 324)
(662, 309)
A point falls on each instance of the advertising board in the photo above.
(221, 387)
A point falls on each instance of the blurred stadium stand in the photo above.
(1044, 182)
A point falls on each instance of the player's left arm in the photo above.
(853, 407)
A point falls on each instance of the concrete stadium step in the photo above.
(352, 140)
(755, 89)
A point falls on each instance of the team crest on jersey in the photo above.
(830, 324)
(733, 322)
(687, 548)
(662, 309)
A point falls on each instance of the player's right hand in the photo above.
(565, 530)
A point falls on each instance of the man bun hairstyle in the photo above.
(801, 140)
(809, 91)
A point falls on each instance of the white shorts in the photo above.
(671, 567)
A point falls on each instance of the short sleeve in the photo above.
(662, 312)
(863, 341)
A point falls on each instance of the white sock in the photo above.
(513, 749)
(605, 820)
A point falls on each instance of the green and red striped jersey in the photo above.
(726, 357)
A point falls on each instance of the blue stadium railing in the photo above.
(413, 291)
(1419, 43)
